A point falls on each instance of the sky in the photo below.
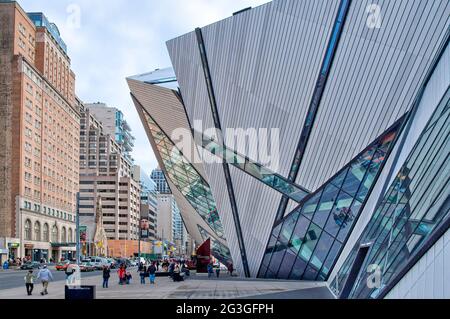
(110, 40)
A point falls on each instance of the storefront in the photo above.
(13, 250)
(29, 251)
(40, 254)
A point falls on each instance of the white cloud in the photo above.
(119, 38)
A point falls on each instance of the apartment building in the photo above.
(39, 138)
(114, 124)
(105, 172)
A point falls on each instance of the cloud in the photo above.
(119, 38)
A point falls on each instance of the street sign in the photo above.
(145, 233)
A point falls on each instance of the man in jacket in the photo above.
(45, 276)
(106, 275)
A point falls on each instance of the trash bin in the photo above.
(80, 293)
(6, 265)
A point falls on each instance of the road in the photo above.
(14, 278)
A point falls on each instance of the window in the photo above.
(28, 229)
(64, 235)
(55, 234)
(414, 206)
(70, 239)
(305, 244)
(37, 231)
(45, 233)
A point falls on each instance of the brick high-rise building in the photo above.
(39, 138)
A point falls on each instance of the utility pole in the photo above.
(78, 229)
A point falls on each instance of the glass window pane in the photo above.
(310, 205)
(320, 253)
(287, 264)
(310, 241)
(299, 233)
(288, 227)
(338, 180)
(326, 204)
(277, 257)
(331, 259)
(298, 269)
(348, 222)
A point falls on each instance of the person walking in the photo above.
(143, 274)
(210, 270)
(152, 273)
(128, 278)
(230, 269)
(29, 282)
(106, 276)
(218, 270)
(171, 269)
(45, 276)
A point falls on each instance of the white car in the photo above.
(99, 262)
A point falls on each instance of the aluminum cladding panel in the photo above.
(264, 65)
(373, 81)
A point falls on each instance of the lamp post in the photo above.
(78, 228)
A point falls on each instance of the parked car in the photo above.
(30, 265)
(86, 266)
(62, 266)
(99, 262)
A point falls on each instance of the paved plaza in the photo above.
(197, 287)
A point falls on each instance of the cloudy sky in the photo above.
(110, 40)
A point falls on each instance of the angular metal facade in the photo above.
(332, 83)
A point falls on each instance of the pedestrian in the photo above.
(152, 273)
(121, 273)
(171, 269)
(230, 269)
(210, 270)
(128, 278)
(143, 274)
(106, 275)
(29, 282)
(45, 276)
(218, 270)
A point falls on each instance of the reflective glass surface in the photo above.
(415, 204)
(187, 180)
(277, 182)
(306, 243)
(218, 250)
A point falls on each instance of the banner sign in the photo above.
(83, 234)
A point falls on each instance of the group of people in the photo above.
(148, 272)
(211, 268)
(44, 275)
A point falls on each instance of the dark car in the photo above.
(30, 266)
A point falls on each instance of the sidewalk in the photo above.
(167, 289)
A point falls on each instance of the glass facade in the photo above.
(277, 182)
(416, 203)
(306, 243)
(187, 180)
(218, 250)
